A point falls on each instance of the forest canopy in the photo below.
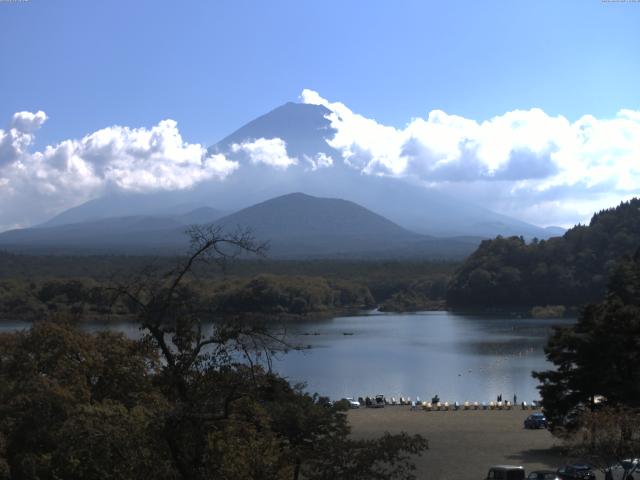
(571, 270)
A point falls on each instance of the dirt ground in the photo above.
(464, 444)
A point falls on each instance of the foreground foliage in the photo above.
(182, 402)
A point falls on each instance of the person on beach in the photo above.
(515, 399)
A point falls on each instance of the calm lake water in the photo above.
(459, 357)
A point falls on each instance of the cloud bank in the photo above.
(36, 185)
(541, 168)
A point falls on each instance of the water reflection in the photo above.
(459, 357)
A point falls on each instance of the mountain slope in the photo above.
(302, 226)
(114, 233)
(299, 224)
(298, 214)
(304, 128)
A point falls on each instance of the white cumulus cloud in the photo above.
(267, 151)
(319, 160)
(36, 185)
(524, 162)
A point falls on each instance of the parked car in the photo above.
(505, 472)
(536, 420)
(352, 402)
(628, 469)
(543, 475)
(576, 472)
(325, 402)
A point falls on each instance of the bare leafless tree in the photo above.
(172, 317)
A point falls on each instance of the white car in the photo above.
(352, 402)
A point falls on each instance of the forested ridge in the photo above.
(32, 287)
(570, 270)
(261, 294)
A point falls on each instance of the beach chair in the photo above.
(424, 405)
(509, 405)
(401, 400)
(446, 406)
(524, 405)
(476, 405)
(418, 402)
(466, 406)
(439, 406)
(492, 406)
(456, 406)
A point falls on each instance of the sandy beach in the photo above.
(463, 444)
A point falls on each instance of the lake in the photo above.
(459, 357)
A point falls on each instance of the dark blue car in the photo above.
(536, 420)
(576, 472)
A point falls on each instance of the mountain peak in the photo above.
(303, 127)
(296, 196)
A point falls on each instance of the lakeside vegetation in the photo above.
(571, 270)
(32, 287)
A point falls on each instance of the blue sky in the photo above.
(212, 66)
(530, 108)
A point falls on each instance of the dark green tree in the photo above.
(596, 360)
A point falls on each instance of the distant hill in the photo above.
(118, 205)
(568, 270)
(202, 215)
(305, 129)
(295, 226)
(299, 225)
(131, 233)
(301, 214)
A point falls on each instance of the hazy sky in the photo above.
(212, 66)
